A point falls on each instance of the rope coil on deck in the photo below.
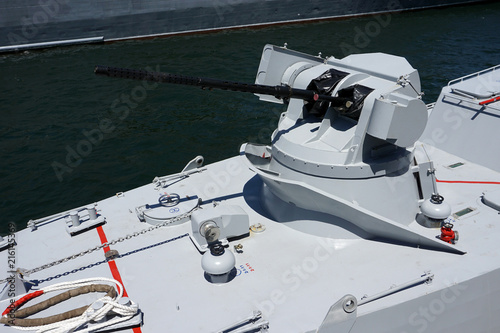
(71, 320)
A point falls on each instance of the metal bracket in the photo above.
(341, 316)
(111, 255)
(135, 321)
(254, 323)
(404, 80)
(5, 243)
(14, 286)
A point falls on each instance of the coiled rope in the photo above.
(71, 320)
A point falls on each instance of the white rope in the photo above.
(110, 305)
(82, 283)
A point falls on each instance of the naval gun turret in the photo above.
(346, 145)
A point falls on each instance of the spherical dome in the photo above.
(218, 264)
(436, 210)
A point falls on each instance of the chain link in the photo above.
(98, 247)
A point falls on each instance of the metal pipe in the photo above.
(424, 278)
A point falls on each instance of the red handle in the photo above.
(491, 100)
(21, 301)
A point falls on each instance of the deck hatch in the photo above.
(463, 212)
(455, 165)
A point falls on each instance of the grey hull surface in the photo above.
(44, 23)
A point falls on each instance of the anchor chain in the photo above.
(27, 272)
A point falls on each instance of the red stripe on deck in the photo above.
(102, 237)
(113, 268)
(466, 182)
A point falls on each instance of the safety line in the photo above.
(114, 269)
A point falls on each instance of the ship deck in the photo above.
(298, 268)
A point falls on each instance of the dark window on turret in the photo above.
(324, 85)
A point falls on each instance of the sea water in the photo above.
(70, 138)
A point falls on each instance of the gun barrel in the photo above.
(280, 92)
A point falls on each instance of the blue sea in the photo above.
(70, 138)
